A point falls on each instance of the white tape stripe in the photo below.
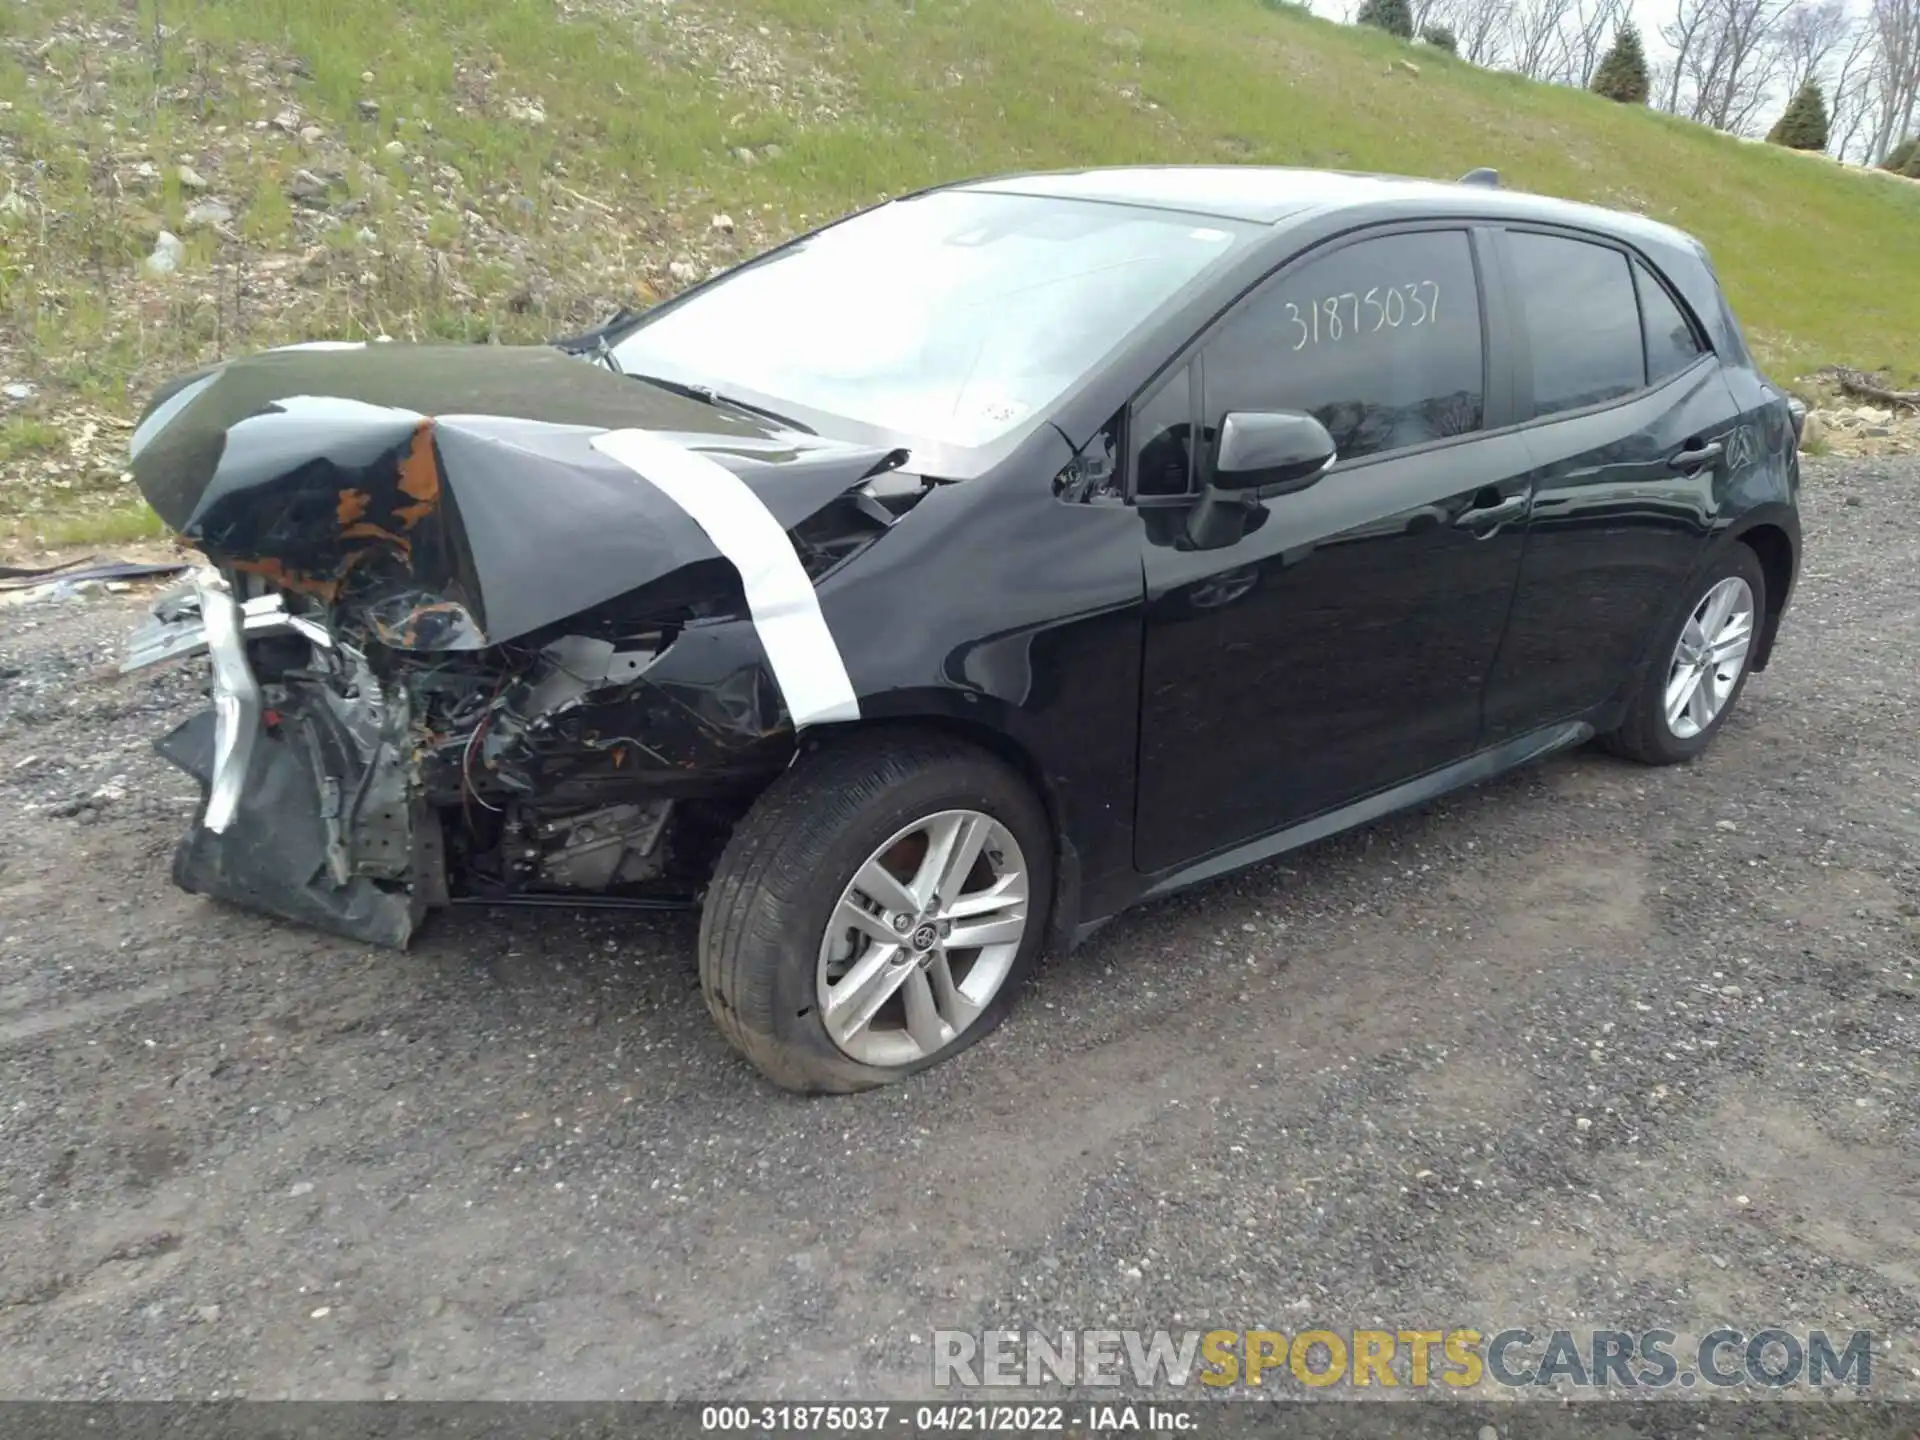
(786, 610)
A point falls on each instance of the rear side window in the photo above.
(1379, 340)
(1671, 343)
(1582, 321)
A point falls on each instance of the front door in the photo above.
(1343, 643)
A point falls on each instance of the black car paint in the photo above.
(1105, 808)
(1184, 711)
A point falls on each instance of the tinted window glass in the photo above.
(1582, 320)
(1380, 341)
(1671, 345)
(1162, 427)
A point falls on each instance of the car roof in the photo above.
(1272, 194)
(1261, 194)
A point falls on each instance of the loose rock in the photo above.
(307, 188)
(209, 212)
(168, 249)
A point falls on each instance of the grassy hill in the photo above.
(513, 168)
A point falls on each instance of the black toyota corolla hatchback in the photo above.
(951, 578)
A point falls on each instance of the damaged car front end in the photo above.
(458, 654)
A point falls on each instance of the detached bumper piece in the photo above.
(308, 811)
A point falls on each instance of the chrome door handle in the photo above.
(1697, 457)
(1485, 517)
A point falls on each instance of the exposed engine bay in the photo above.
(355, 786)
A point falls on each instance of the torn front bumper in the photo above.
(310, 811)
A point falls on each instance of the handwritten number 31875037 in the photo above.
(1384, 307)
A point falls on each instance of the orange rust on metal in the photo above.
(400, 635)
(352, 561)
(274, 572)
(353, 504)
(367, 530)
(406, 634)
(419, 477)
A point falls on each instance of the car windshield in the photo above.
(952, 316)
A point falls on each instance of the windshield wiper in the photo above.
(597, 343)
(707, 395)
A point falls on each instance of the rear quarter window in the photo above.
(1671, 341)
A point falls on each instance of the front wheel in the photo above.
(875, 911)
(1700, 666)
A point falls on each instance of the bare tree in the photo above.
(1481, 27)
(1728, 61)
(1726, 65)
(1851, 107)
(1660, 71)
(1536, 47)
(1584, 41)
(1683, 34)
(1895, 91)
(1808, 37)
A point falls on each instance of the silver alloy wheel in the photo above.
(1711, 653)
(922, 938)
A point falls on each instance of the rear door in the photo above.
(1631, 427)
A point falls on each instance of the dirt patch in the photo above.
(1513, 1059)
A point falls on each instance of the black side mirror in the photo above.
(1261, 454)
(1272, 452)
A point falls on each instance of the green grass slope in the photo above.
(507, 169)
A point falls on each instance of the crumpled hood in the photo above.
(452, 493)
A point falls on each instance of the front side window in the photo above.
(1671, 343)
(954, 316)
(1162, 429)
(1582, 321)
(1379, 340)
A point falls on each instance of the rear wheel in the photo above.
(875, 911)
(1688, 692)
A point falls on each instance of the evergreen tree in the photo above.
(1441, 38)
(1393, 16)
(1622, 75)
(1804, 125)
(1904, 158)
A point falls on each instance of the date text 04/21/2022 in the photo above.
(957, 1418)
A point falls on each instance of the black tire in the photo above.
(786, 864)
(1644, 734)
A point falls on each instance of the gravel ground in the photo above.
(1593, 1045)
